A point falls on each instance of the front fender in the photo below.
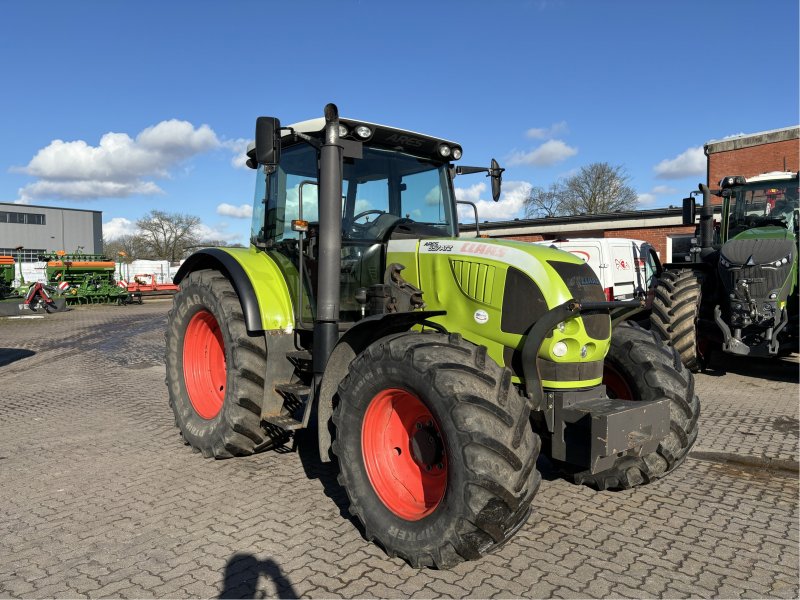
(260, 284)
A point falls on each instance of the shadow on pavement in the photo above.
(783, 369)
(326, 473)
(243, 572)
(10, 355)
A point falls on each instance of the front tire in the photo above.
(435, 449)
(215, 369)
(640, 366)
(676, 307)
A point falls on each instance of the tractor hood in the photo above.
(771, 232)
(495, 290)
(751, 250)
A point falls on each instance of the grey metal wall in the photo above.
(64, 229)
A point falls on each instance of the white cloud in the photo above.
(544, 133)
(117, 227)
(646, 198)
(119, 166)
(649, 198)
(691, 162)
(510, 205)
(550, 153)
(243, 211)
(86, 190)
(218, 233)
(239, 149)
(664, 189)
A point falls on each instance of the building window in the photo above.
(23, 218)
(26, 255)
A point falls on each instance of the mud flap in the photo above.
(592, 431)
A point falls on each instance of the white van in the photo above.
(625, 267)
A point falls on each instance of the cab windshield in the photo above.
(380, 191)
(759, 205)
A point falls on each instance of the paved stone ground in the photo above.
(99, 497)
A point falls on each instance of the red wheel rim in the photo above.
(616, 385)
(204, 364)
(404, 454)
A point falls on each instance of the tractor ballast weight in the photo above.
(434, 366)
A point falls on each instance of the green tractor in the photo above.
(739, 291)
(432, 367)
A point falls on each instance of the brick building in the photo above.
(747, 155)
(753, 154)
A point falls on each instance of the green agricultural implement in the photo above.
(739, 292)
(7, 273)
(85, 278)
(432, 367)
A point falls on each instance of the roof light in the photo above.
(732, 181)
(363, 131)
(343, 131)
(445, 151)
(456, 153)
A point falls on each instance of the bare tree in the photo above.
(542, 202)
(131, 246)
(168, 236)
(598, 188)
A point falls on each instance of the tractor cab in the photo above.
(396, 185)
(767, 203)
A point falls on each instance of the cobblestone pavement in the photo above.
(99, 497)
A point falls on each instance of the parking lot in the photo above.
(99, 497)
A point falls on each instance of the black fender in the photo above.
(354, 341)
(219, 260)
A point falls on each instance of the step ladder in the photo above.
(296, 396)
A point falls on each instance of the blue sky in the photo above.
(129, 106)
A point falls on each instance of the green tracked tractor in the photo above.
(434, 367)
(738, 293)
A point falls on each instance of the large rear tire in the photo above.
(640, 366)
(215, 369)
(674, 314)
(435, 449)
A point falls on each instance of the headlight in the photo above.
(783, 261)
(723, 261)
(363, 131)
(559, 349)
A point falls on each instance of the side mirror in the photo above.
(688, 211)
(496, 173)
(268, 141)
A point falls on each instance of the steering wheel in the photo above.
(364, 214)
